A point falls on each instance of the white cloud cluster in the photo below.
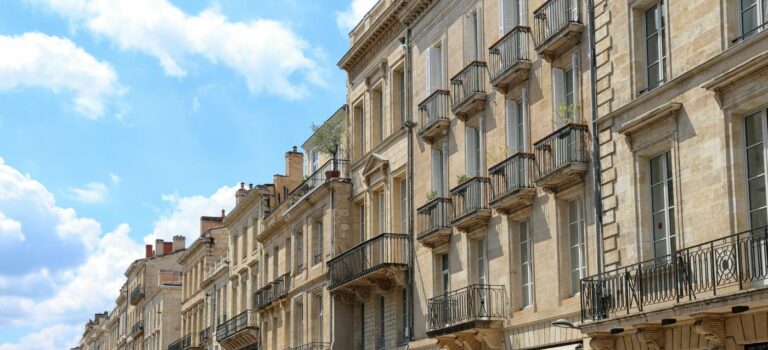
(48, 338)
(347, 20)
(10, 229)
(270, 56)
(94, 192)
(39, 60)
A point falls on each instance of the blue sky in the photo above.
(125, 120)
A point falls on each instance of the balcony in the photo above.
(381, 260)
(205, 335)
(183, 344)
(137, 328)
(239, 331)
(272, 292)
(561, 157)
(434, 116)
(137, 294)
(474, 309)
(512, 183)
(332, 169)
(468, 90)
(312, 346)
(557, 27)
(434, 224)
(510, 59)
(218, 264)
(470, 204)
(716, 273)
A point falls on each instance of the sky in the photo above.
(122, 121)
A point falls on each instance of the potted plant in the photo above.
(431, 195)
(462, 179)
(564, 115)
(327, 138)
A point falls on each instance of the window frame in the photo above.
(526, 286)
(667, 179)
(574, 287)
(762, 115)
(660, 18)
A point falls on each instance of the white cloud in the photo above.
(39, 60)
(184, 218)
(94, 192)
(10, 229)
(195, 104)
(115, 178)
(271, 57)
(48, 338)
(348, 19)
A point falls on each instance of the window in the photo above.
(755, 135)
(317, 241)
(403, 189)
(314, 161)
(435, 68)
(437, 171)
(299, 250)
(662, 206)
(362, 326)
(515, 126)
(275, 262)
(482, 261)
(382, 331)
(377, 119)
(655, 51)
(753, 15)
(403, 336)
(398, 98)
(359, 135)
(473, 44)
(298, 330)
(509, 15)
(319, 318)
(575, 244)
(361, 221)
(526, 265)
(566, 100)
(380, 212)
(445, 273)
(474, 153)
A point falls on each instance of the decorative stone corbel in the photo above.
(652, 336)
(602, 341)
(469, 341)
(448, 343)
(384, 284)
(712, 327)
(398, 277)
(363, 293)
(493, 339)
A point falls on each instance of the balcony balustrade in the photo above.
(332, 169)
(434, 222)
(512, 186)
(183, 343)
(239, 331)
(382, 259)
(510, 59)
(470, 204)
(137, 294)
(434, 116)
(312, 346)
(562, 157)
(468, 90)
(698, 274)
(557, 27)
(218, 264)
(272, 292)
(137, 328)
(469, 309)
(205, 335)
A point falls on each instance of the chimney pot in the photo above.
(167, 248)
(159, 247)
(242, 185)
(250, 186)
(179, 243)
(295, 149)
(223, 213)
(148, 251)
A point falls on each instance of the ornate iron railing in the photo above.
(137, 294)
(384, 250)
(236, 324)
(720, 266)
(312, 346)
(554, 16)
(470, 196)
(332, 169)
(511, 174)
(435, 107)
(137, 327)
(433, 216)
(205, 335)
(512, 48)
(471, 303)
(181, 344)
(469, 81)
(272, 291)
(564, 146)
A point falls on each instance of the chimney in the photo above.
(148, 251)
(250, 186)
(159, 249)
(223, 214)
(167, 248)
(209, 222)
(294, 164)
(179, 243)
(240, 194)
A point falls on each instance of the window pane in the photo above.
(659, 226)
(524, 274)
(653, 75)
(574, 258)
(660, 248)
(749, 20)
(670, 193)
(652, 49)
(753, 127)
(745, 4)
(758, 218)
(757, 192)
(656, 170)
(657, 198)
(525, 300)
(650, 20)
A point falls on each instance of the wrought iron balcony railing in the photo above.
(137, 328)
(383, 251)
(511, 174)
(477, 302)
(332, 169)
(137, 294)
(434, 110)
(205, 335)
(271, 292)
(554, 16)
(563, 147)
(245, 320)
(312, 346)
(181, 344)
(434, 216)
(507, 53)
(468, 86)
(470, 197)
(719, 267)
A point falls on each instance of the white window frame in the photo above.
(510, 8)
(576, 246)
(668, 209)
(314, 161)
(435, 67)
(382, 211)
(403, 205)
(473, 35)
(762, 117)
(761, 9)
(661, 30)
(445, 272)
(526, 245)
(438, 171)
(481, 262)
(516, 126)
(474, 153)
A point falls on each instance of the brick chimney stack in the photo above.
(159, 247)
(148, 251)
(223, 214)
(179, 243)
(240, 194)
(294, 164)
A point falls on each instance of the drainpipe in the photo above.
(596, 168)
(410, 124)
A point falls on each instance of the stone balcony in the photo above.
(434, 222)
(510, 59)
(468, 317)
(184, 343)
(512, 188)
(470, 204)
(137, 295)
(468, 91)
(238, 332)
(272, 292)
(435, 116)
(557, 27)
(137, 329)
(562, 157)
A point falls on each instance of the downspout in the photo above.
(331, 247)
(596, 168)
(410, 124)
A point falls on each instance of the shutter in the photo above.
(524, 119)
(436, 176)
(510, 14)
(478, 34)
(576, 84)
(558, 90)
(471, 150)
(468, 47)
(428, 56)
(574, 7)
(511, 112)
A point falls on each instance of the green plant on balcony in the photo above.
(497, 153)
(566, 114)
(431, 195)
(327, 138)
(462, 179)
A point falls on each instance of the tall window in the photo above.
(474, 153)
(319, 318)
(314, 161)
(380, 209)
(565, 95)
(275, 262)
(472, 39)
(403, 336)
(662, 206)
(515, 120)
(755, 135)
(509, 15)
(435, 68)
(526, 265)
(361, 221)
(317, 241)
(398, 98)
(754, 16)
(362, 326)
(298, 329)
(382, 331)
(299, 250)
(437, 171)
(655, 52)
(359, 118)
(378, 114)
(445, 273)
(403, 189)
(482, 261)
(576, 244)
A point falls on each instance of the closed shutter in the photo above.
(435, 66)
(576, 86)
(471, 151)
(470, 37)
(558, 91)
(429, 70)
(510, 15)
(437, 168)
(511, 112)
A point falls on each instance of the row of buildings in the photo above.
(505, 174)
